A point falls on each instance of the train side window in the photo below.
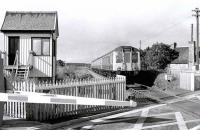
(119, 58)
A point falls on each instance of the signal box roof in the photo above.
(30, 21)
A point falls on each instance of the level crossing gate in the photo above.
(46, 101)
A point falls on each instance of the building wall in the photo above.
(190, 80)
(176, 69)
(187, 81)
(2, 90)
(42, 65)
(179, 66)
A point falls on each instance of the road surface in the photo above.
(177, 114)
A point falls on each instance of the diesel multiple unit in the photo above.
(123, 58)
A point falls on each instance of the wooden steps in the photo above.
(22, 73)
(19, 72)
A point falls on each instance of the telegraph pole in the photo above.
(194, 45)
(140, 44)
(192, 39)
(197, 27)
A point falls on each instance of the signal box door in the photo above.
(13, 46)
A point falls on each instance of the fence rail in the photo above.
(112, 88)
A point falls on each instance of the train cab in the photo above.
(123, 58)
(126, 59)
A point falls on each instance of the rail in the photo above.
(141, 96)
(158, 89)
(157, 94)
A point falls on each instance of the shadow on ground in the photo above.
(19, 123)
(143, 77)
(130, 120)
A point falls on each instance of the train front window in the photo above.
(119, 58)
(127, 57)
(135, 58)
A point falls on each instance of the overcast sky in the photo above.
(90, 28)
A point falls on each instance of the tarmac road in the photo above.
(177, 114)
(181, 113)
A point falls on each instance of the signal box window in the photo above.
(41, 46)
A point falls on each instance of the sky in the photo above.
(91, 28)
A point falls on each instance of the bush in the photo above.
(72, 72)
(158, 56)
(164, 84)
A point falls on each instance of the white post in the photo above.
(192, 86)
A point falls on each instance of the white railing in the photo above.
(113, 89)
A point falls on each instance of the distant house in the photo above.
(185, 61)
(182, 62)
(30, 44)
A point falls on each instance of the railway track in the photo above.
(141, 98)
(95, 75)
(184, 102)
(148, 95)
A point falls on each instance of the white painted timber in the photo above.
(2, 88)
(32, 97)
(42, 64)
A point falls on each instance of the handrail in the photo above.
(30, 57)
(16, 61)
(29, 63)
(16, 65)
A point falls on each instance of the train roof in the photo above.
(117, 49)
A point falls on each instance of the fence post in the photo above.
(2, 89)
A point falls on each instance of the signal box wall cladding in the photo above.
(123, 59)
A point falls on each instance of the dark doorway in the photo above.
(13, 46)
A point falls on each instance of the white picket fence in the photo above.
(113, 88)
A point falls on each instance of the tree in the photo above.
(143, 63)
(60, 63)
(158, 56)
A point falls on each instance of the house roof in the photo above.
(183, 56)
(30, 21)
